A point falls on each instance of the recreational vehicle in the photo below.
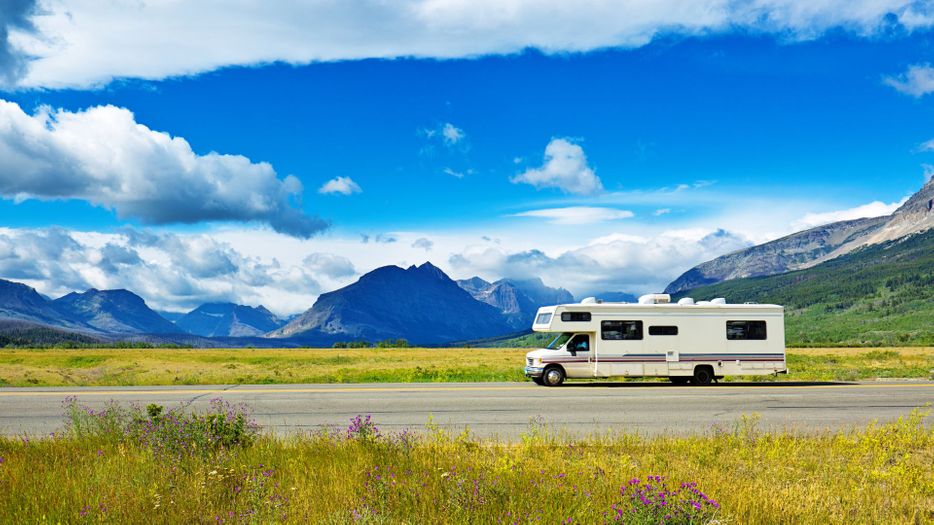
(687, 341)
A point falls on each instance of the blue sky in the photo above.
(671, 147)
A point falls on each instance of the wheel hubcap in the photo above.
(553, 377)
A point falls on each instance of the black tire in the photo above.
(703, 376)
(553, 376)
(538, 381)
(679, 380)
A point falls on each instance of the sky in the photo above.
(265, 154)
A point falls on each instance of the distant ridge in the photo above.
(229, 320)
(114, 311)
(517, 299)
(813, 246)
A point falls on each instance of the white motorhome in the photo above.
(687, 341)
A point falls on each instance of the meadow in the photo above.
(135, 465)
(174, 366)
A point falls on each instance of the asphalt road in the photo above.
(505, 410)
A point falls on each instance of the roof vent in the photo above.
(718, 300)
(655, 298)
(686, 301)
(590, 300)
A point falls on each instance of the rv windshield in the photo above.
(559, 341)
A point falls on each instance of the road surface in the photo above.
(505, 410)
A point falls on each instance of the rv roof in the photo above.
(674, 306)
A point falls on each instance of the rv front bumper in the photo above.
(533, 371)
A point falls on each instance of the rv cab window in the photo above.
(543, 319)
(580, 343)
(559, 341)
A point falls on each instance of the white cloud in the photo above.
(457, 174)
(89, 42)
(613, 262)
(661, 211)
(452, 134)
(103, 156)
(872, 209)
(917, 81)
(577, 214)
(333, 266)
(423, 243)
(170, 271)
(565, 167)
(342, 185)
(927, 145)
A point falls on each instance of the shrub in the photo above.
(175, 432)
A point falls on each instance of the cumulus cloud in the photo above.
(170, 271)
(15, 16)
(565, 167)
(927, 145)
(661, 211)
(103, 156)
(89, 42)
(331, 265)
(577, 214)
(423, 243)
(917, 81)
(342, 185)
(385, 238)
(872, 209)
(613, 262)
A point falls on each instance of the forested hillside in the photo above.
(879, 295)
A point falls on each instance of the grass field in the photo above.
(114, 367)
(129, 466)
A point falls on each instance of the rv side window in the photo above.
(543, 319)
(575, 317)
(663, 330)
(745, 330)
(620, 330)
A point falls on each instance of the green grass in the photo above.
(159, 366)
(106, 473)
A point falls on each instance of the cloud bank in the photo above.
(610, 263)
(170, 271)
(83, 43)
(103, 156)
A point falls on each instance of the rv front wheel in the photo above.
(553, 376)
(703, 376)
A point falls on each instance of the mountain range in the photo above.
(814, 246)
(517, 299)
(862, 281)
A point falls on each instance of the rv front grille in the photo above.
(528, 360)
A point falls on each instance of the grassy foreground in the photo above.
(125, 465)
(156, 366)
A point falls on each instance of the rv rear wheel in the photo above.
(553, 376)
(679, 380)
(703, 376)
